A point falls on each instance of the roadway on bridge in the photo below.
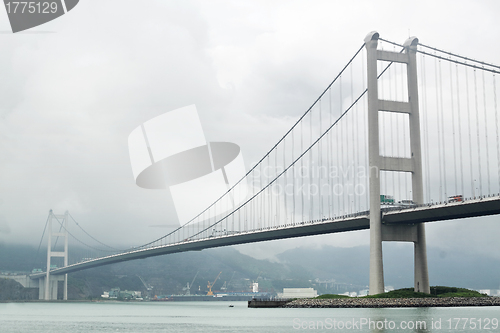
(397, 215)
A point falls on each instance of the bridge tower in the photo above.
(380, 232)
(50, 282)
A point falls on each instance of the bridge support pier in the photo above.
(421, 270)
(411, 233)
(49, 294)
(377, 163)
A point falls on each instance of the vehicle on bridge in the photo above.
(406, 203)
(386, 199)
(456, 198)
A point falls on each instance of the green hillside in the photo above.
(438, 291)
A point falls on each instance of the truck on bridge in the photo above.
(386, 199)
(456, 198)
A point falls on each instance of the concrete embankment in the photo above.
(393, 302)
(267, 303)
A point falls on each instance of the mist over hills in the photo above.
(328, 269)
(351, 265)
(169, 274)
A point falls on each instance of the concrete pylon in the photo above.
(378, 231)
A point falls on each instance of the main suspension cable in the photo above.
(459, 56)
(41, 240)
(83, 243)
(79, 226)
(461, 63)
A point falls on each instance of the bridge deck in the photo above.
(430, 213)
(445, 211)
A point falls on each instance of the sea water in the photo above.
(207, 317)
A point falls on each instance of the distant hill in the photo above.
(13, 290)
(351, 265)
(300, 267)
(169, 274)
(18, 258)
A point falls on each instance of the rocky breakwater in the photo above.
(393, 302)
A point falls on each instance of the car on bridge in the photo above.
(406, 203)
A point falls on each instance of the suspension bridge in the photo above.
(405, 134)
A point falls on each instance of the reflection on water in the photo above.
(210, 317)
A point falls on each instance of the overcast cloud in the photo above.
(73, 89)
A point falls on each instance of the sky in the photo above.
(73, 89)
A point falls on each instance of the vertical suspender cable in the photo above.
(338, 165)
(496, 125)
(311, 166)
(293, 184)
(285, 181)
(302, 167)
(365, 136)
(395, 116)
(443, 131)
(354, 148)
(347, 161)
(427, 127)
(269, 191)
(473, 190)
(478, 141)
(460, 133)
(266, 199)
(276, 187)
(398, 120)
(255, 205)
(438, 133)
(357, 206)
(259, 198)
(278, 195)
(342, 149)
(486, 135)
(252, 203)
(404, 155)
(358, 156)
(320, 163)
(261, 201)
(330, 153)
(394, 145)
(453, 128)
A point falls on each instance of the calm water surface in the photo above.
(210, 317)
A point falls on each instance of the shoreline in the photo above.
(393, 302)
(65, 301)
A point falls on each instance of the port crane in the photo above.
(224, 287)
(210, 285)
(149, 288)
(188, 287)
